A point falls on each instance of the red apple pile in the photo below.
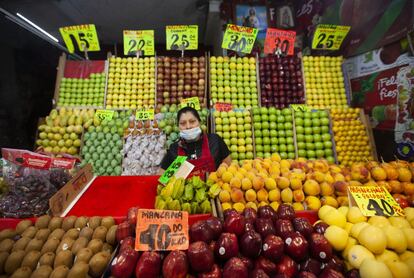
(266, 243)
(281, 81)
(179, 78)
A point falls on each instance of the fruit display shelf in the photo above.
(235, 81)
(236, 129)
(131, 83)
(281, 81)
(80, 84)
(314, 138)
(324, 82)
(351, 134)
(274, 132)
(181, 78)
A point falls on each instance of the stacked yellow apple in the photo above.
(350, 134)
(131, 82)
(304, 184)
(62, 130)
(377, 246)
(324, 82)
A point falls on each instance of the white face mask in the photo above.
(190, 135)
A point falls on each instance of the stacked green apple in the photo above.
(235, 127)
(313, 135)
(102, 146)
(273, 132)
(234, 80)
(82, 91)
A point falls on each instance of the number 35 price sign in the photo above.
(161, 230)
(374, 200)
(239, 38)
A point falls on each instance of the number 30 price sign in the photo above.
(329, 37)
(161, 230)
(279, 40)
(239, 38)
(374, 200)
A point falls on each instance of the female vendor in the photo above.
(205, 151)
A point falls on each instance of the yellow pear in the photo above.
(354, 215)
(406, 255)
(379, 221)
(373, 268)
(357, 254)
(399, 269)
(409, 236)
(387, 255)
(356, 228)
(399, 222)
(396, 239)
(334, 217)
(373, 238)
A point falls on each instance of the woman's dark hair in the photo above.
(186, 110)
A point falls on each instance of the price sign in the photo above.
(329, 37)
(222, 106)
(142, 40)
(182, 37)
(172, 169)
(104, 114)
(193, 102)
(239, 38)
(279, 41)
(161, 230)
(81, 36)
(300, 107)
(374, 200)
(143, 115)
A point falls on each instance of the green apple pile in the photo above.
(324, 82)
(131, 82)
(168, 122)
(102, 145)
(273, 132)
(313, 135)
(82, 91)
(235, 127)
(62, 130)
(234, 80)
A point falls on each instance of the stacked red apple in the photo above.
(179, 78)
(281, 81)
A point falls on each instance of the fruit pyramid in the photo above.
(234, 80)
(324, 82)
(273, 132)
(131, 83)
(235, 127)
(350, 134)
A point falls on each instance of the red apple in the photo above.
(235, 268)
(320, 248)
(273, 248)
(287, 266)
(226, 246)
(296, 246)
(284, 228)
(250, 244)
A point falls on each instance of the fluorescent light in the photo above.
(37, 27)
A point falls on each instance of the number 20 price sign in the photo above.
(374, 200)
(161, 230)
(239, 38)
(139, 40)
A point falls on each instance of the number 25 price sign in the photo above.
(239, 38)
(329, 37)
(279, 41)
(161, 230)
(84, 37)
(139, 40)
(182, 37)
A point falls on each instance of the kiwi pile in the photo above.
(56, 247)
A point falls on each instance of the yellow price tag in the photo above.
(104, 114)
(239, 38)
(182, 37)
(374, 200)
(329, 37)
(139, 40)
(83, 36)
(300, 107)
(193, 102)
(145, 114)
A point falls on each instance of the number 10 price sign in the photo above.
(239, 38)
(161, 230)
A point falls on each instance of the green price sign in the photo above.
(139, 40)
(300, 107)
(172, 169)
(84, 37)
(329, 37)
(239, 38)
(182, 37)
(193, 102)
(143, 115)
(104, 114)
